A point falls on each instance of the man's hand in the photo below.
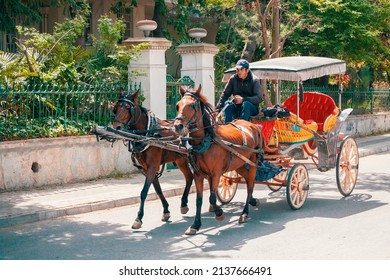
(238, 99)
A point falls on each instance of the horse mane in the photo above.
(208, 110)
(129, 96)
(143, 109)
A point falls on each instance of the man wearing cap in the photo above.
(245, 88)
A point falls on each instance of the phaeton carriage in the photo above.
(310, 136)
(221, 152)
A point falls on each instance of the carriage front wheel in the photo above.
(297, 187)
(347, 166)
(227, 187)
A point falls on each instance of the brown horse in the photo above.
(129, 115)
(210, 157)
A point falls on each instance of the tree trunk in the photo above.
(262, 12)
(250, 46)
(275, 47)
(159, 8)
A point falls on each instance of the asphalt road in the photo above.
(327, 227)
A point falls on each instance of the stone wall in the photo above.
(32, 163)
(364, 125)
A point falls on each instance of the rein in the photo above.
(209, 139)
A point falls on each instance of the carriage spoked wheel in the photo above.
(297, 187)
(227, 187)
(347, 166)
(310, 147)
(277, 179)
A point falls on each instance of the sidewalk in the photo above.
(22, 207)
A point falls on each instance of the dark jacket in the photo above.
(249, 89)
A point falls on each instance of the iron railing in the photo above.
(363, 101)
(173, 94)
(46, 110)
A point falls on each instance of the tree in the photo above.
(14, 12)
(57, 59)
(353, 30)
(270, 23)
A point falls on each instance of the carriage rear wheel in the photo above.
(227, 187)
(310, 147)
(347, 166)
(278, 179)
(297, 187)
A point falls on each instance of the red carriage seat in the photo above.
(317, 107)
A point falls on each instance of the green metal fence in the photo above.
(173, 94)
(363, 101)
(45, 110)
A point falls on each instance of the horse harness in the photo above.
(136, 147)
(207, 141)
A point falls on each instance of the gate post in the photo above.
(153, 70)
(198, 64)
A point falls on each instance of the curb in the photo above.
(81, 209)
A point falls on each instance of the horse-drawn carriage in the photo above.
(310, 136)
(260, 151)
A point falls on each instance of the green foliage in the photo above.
(14, 12)
(347, 29)
(236, 24)
(127, 5)
(45, 56)
(56, 58)
(107, 60)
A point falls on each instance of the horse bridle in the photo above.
(196, 106)
(132, 110)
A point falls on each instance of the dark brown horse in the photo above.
(210, 156)
(129, 115)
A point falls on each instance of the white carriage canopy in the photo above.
(293, 68)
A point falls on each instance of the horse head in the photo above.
(193, 111)
(126, 110)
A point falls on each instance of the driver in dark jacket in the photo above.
(245, 88)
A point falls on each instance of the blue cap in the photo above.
(242, 63)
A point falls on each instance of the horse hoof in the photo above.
(190, 231)
(211, 208)
(220, 217)
(243, 219)
(254, 202)
(137, 224)
(184, 210)
(165, 217)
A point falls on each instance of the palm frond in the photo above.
(7, 58)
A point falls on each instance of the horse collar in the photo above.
(203, 146)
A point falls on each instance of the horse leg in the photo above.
(185, 169)
(244, 216)
(199, 199)
(219, 215)
(150, 175)
(249, 176)
(157, 187)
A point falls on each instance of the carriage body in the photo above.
(311, 136)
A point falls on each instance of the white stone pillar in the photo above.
(198, 64)
(153, 71)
